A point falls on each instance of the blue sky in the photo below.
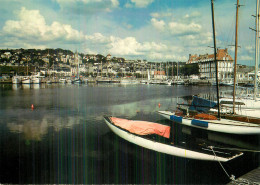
(156, 30)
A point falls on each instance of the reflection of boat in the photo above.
(209, 122)
(139, 136)
(26, 86)
(36, 86)
(15, 86)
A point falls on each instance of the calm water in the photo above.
(65, 140)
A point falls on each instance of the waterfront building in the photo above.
(159, 75)
(207, 65)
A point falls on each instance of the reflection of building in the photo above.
(207, 65)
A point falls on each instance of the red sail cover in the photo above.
(142, 127)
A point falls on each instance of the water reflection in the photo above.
(233, 141)
(26, 86)
(16, 86)
(37, 129)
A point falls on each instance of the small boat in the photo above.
(68, 81)
(210, 122)
(26, 80)
(36, 80)
(77, 81)
(62, 80)
(16, 80)
(144, 134)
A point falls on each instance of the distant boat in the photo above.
(68, 81)
(128, 81)
(179, 82)
(16, 80)
(36, 80)
(62, 80)
(77, 81)
(26, 80)
(140, 136)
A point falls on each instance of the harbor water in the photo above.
(63, 139)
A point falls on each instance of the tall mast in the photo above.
(235, 63)
(256, 48)
(215, 55)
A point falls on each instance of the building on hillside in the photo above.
(108, 57)
(159, 75)
(207, 65)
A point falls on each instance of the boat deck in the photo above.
(252, 177)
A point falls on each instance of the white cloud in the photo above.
(165, 57)
(160, 15)
(158, 24)
(97, 38)
(88, 6)
(139, 3)
(127, 46)
(177, 28)
(31, 25)
(245, 57)
(250, 49)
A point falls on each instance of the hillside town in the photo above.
(58, 65)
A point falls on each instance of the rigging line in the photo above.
(232, 177)
(238, 149)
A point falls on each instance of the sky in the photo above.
(154, 30)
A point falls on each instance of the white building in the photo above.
(207, 64)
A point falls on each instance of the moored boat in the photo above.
(139, 133)
(62, 80)
(210, 122)
(26, 80)
(36, 80)
(16, 80)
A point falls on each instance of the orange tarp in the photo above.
(142, 127)
(205, 116)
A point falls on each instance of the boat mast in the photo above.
(235, 63)
(256, 48)
(78, 63)
(215, 56)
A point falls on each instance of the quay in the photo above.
(169, 81)
(252, 177)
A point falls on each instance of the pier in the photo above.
(252, 177)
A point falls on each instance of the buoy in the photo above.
(159, 105)
(32, 106)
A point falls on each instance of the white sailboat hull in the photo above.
(223, 125)
(26, 81)
(164, 148)
(36, 80)
(16, 80)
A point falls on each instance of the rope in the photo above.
(238, 149)
(240, 181)
(232, 177)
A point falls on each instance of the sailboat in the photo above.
(232, 125)
(77, 80)
(157, 137)
(248, 105)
